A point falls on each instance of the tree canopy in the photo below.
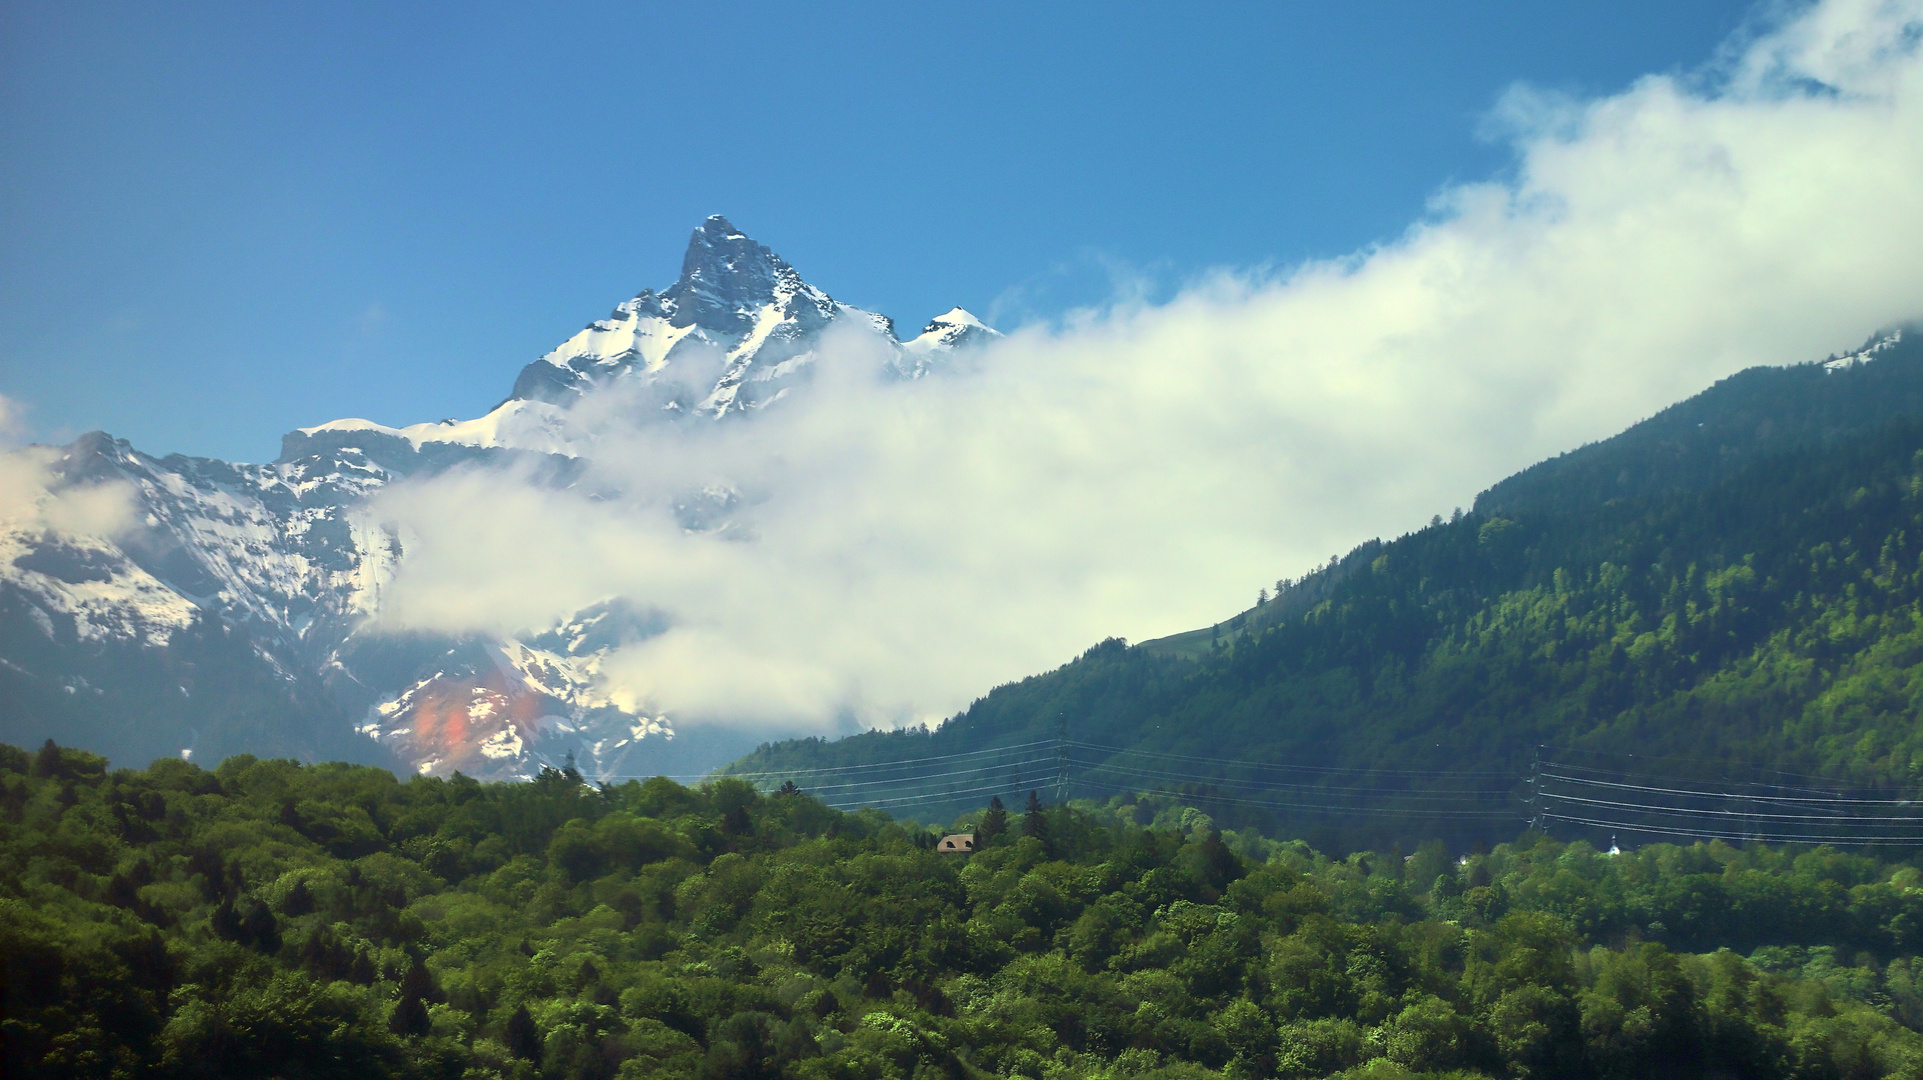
(278, 920)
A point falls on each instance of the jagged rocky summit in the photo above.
(732, 334)
(217, 608)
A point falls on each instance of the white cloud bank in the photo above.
(1143, 470)
(34, 502)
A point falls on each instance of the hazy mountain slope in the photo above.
(1745, 591)
(1707, 438)
(1691, 444)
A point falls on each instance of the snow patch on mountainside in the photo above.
(1868, 352)
(92, 586)
(523, 425)
(636, 335)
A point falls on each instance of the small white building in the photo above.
(960, 843)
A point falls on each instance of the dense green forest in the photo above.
(1732, 589)
(272, 919)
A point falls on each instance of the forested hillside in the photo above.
(270, 919)
(1730, 589)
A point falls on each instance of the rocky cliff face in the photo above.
(153, 606)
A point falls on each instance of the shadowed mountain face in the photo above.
(112, 628)
(1731, 588)
(726, 279)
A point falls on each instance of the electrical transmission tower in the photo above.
(1535, 789)
(1061, 758)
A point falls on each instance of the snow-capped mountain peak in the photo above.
(954, 317)
(734, 297)
(264, 582)
(950, 331)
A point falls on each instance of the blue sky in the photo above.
(219, 222)
(1366, 301)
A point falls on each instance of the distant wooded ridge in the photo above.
(1725, 593)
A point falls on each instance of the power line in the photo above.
(1459, 798)
(912, 779)
(1807, 818)
(790, 773)
(839, 798)
(1824, 818)
(1273, 805)
(1623, 826)
(923, 797)
(879, 798)
(1720, 763)
(1244, 763)
(836, 792)
(1570, 767)
(1273, 786)
(1647, 808)
(1842, 800)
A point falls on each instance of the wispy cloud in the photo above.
(34, 499)
(13, 423)
(1144, 470)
